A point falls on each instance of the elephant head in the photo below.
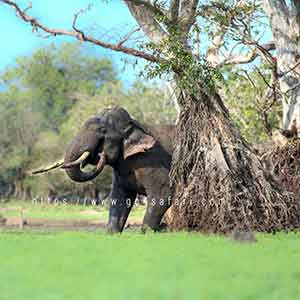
(105, 139)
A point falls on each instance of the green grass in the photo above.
(153, 266)
(60, 211)
(78, 265)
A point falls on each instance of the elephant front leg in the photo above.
(156, 208)
(121, 203)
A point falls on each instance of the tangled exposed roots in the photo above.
(219, 183)
(284, 164)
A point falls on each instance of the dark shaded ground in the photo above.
(34, 224)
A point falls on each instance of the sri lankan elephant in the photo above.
(139, 156)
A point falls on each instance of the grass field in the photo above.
(93, 265)
(153, 266)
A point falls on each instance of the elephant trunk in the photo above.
(76, 174)
(72, 165)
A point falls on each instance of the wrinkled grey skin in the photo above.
(140, 158)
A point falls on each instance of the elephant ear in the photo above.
(139, 140)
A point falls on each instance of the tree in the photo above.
(219, 183)
(284, 19)
(19, 131)
(56, 76)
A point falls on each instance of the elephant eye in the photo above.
(101, 130)
(96, 127)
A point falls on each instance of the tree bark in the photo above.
(219, 182)
(146, 18)
(285, 27)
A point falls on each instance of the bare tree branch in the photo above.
(290, 69)
(146, 18)
(239, 26)
(187, 14)
(292, 88)
(280, 8)
(155, 9)
(127, 36)
(77, 34)
(264, 101)
(252, 55)
(248, 77)
(246, 58)
(76, 15)
(174, 10)
(296, 4)
(213, 55)
(28, 7)
(263, 77)
(277, 9)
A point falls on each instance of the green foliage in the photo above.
(175, 57)
(54, 76)
(251, 108)
(20, 127)
(147, 104)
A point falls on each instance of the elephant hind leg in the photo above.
(156, 208)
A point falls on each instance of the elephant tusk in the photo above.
(101, 162)
(49, 168)
(78, 161)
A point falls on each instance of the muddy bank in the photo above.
(39, 224)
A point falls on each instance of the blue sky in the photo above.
(108, 19)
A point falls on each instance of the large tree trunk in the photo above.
(289, 56)
(288, 68)
(285, 25)
(220, 184)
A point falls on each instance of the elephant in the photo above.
(140, 157)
